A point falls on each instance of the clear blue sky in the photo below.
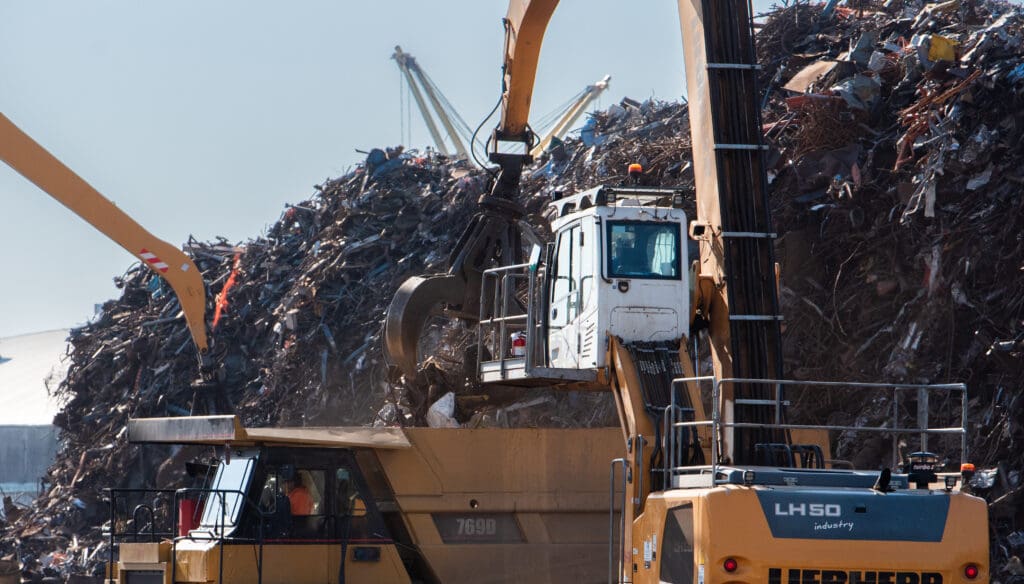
(204, 118)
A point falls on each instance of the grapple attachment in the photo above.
(415, 301)
(491, 239)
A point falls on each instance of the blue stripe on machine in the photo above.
(857, 515)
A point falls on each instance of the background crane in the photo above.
(420, 84)
(568, 114)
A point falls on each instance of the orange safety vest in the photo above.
(301, 501)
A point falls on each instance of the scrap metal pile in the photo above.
(896, 170)
(897, 179)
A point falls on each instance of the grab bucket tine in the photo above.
(415, 301)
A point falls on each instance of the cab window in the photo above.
(305, 492)
(643, 250)
(676, 552)
(350, 508)
(302, 490)
(565, 285)
(225, 500)
(312, 495)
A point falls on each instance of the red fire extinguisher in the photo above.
(518, 344)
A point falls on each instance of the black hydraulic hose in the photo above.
(749, 267)
(473, 141)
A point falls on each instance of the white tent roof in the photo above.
(26, 363)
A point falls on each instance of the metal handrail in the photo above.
(615, 566)
(670, 421)
(152, 521)
(217, 535)
(850, 428)
(718, 426)
(497, 319)
(500, 322)
(113, 494)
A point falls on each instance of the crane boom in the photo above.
(35, 163)
(733, 223)
(435, 101)
(525, 24)
(493, 234)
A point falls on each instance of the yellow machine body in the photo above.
(870, 544)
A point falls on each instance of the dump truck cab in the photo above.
(617, 266)
(268, 506)
(300, 494)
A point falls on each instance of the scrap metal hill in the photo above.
(896, 169)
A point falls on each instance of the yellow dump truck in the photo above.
(400, 505)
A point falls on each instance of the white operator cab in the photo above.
(617, 266)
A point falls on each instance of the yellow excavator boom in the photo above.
(35, 163)
(525, 24)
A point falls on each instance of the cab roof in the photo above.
(608, 195)
(219, 430)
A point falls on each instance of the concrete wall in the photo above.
(25, 454)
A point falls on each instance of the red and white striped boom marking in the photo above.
(153, 261)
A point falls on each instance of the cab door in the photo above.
(362, 549)
(647, 294)
(590, 343)
(566, 299)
